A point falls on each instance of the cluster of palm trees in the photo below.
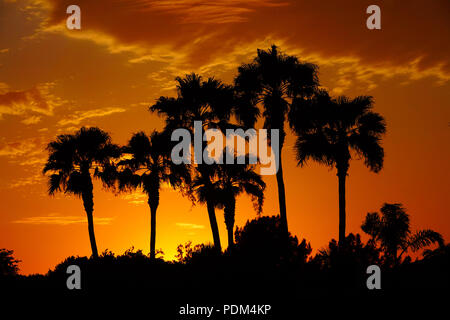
(274, 86)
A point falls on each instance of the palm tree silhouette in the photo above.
(148, 167)
(74, 160)
(233, 180)
(209, 101)
(204, 189)
(273, 79)
(392, 230)
(330, 130)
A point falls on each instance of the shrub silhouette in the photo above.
(263, 241)
(345, 265)
(8, 264)
(200, 254)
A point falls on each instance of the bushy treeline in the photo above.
(261, 253)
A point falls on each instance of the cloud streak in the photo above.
(56, 219)
(136, 198)
(80, 116)
(19, 148)
(38, 99)
(189, 225)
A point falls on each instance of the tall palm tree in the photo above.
(73, 162)
(147, 165)
(392, 230)
(273, 80)
(330, 130)
(209, 101)
(233, 180)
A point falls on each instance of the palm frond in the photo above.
(372, 224)
(424, 238)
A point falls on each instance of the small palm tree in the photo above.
(329, 131)
(204, 189)
(233, 180)
(209, 101)
(273, 80)
(392, 231)
(147, 165)
(74, 160)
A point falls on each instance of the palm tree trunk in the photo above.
(342, 175)
(282, 197)
(88, 202)
(393, 255)
(153, 202)
(229, 212)
(230, 237)
(152, 232)
(214, 226)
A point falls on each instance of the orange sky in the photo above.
(54, 80)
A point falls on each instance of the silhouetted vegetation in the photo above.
(262, 265)
(228, 182)
(74, 160)
(211, 102)
(262, 241)
(391, 233)
(274, 80)
(8, 264)
(345, 265)
(148, 167)
(330, 130)
(263, 259)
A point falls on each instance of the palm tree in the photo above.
(329, 131)
(204, 189)
(392, 230)
(273, 80)
(74, 160)
(233, 180)
(209, 101)
(147, 165)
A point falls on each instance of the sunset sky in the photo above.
(127, 54)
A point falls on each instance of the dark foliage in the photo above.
(262, 242)
(390, 231)
(8, 264)
(345, 266)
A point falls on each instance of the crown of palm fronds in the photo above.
(73, 158)
(146, 164)
(330, 130)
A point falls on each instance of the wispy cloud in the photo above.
(31, 120)
(137, 198)
(189, 225)
(38, 99)
(79, 116)
(3, 87)
(207, 12)
(56, 219)
(14, 149)
(26, 152)
(30, 180)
